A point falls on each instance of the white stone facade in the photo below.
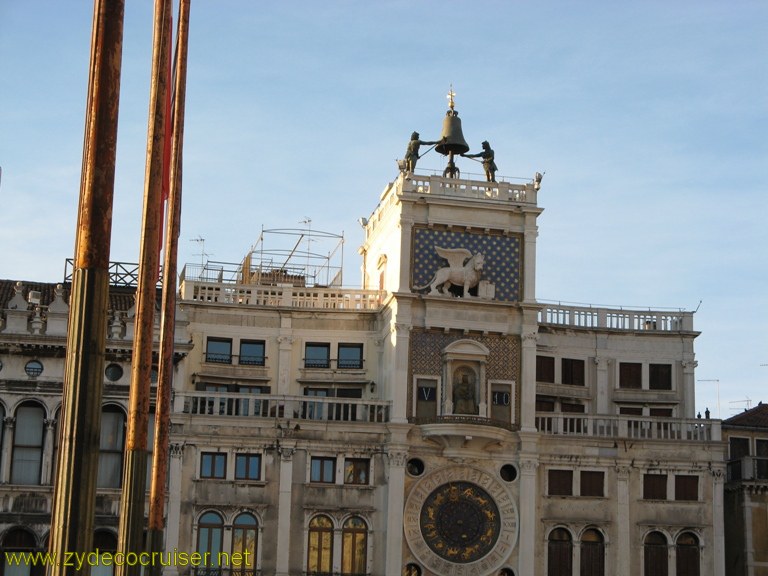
(402, 429)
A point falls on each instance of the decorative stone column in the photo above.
(46, 477)
(399, 376)
(689, 389)
(718, 528)
(283, 528)
(623, 546)
(528, 521)
(528, 383)
(395, 499)
(601, 385)
(285, 351)
(5, 471)
(173, 518)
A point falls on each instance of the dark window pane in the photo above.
(573, 372)
(655, 486)
(545, 369)
(686, 487)
(350, 356)
(252, 352)
(561, 482)
(630, 375)
(218, 350)
(248, 467)
(323, 469)
(660, 377)
(317, 356)
(631, 411)
(213, 465)
(356, 470)
(592, 483)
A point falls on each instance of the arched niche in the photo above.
(466, 387)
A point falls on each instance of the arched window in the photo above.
(106, 543)
(111, 447)
(28, 435)
(559, 553)
(655, 555)
(210, 533)
(354, 546)
(688, 561)
(592, 553)
(320, 549)
(19, 540)
(244, 541)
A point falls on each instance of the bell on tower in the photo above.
(452, 139)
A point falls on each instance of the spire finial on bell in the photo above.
(450, 96)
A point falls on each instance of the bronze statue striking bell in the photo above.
(452, 139)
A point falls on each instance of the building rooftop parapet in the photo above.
(473, 189)
(222, 292)
(616, 318)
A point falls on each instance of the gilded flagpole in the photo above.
(132, 500)
(155, 535)
(74, 492)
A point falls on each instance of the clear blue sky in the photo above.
(649, 118)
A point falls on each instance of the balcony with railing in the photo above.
(317, 408)
(650, 428)
(748, 468)
(616, 318)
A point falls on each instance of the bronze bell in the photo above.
(452, 139)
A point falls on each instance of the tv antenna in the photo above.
(203, 254)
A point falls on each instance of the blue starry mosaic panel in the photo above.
(502, 258)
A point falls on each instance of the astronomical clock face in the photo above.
(461, 520)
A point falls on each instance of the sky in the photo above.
(649, 120)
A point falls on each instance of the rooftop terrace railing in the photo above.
(694, 430)
(290, 296)
(616, 319)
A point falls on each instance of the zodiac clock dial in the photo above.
(460, 522)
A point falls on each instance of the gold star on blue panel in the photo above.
(502, 258)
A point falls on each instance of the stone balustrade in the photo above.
(694, 430)
(280, 406)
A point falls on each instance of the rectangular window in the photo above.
(426, 398)
(213, 465)
(252, 352)
(323, 469)
(545, 369)
(660, 376)
(560, 483)
(660, 412)
(248, 467)
(630, 375)
(573, 372)
(357, 470)
(544, 404)
(317, 355)
(686, 487)
(592, 483)
(654, 487)
(630, 410)
(572, 408)
(218, 350)
(350, 356)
